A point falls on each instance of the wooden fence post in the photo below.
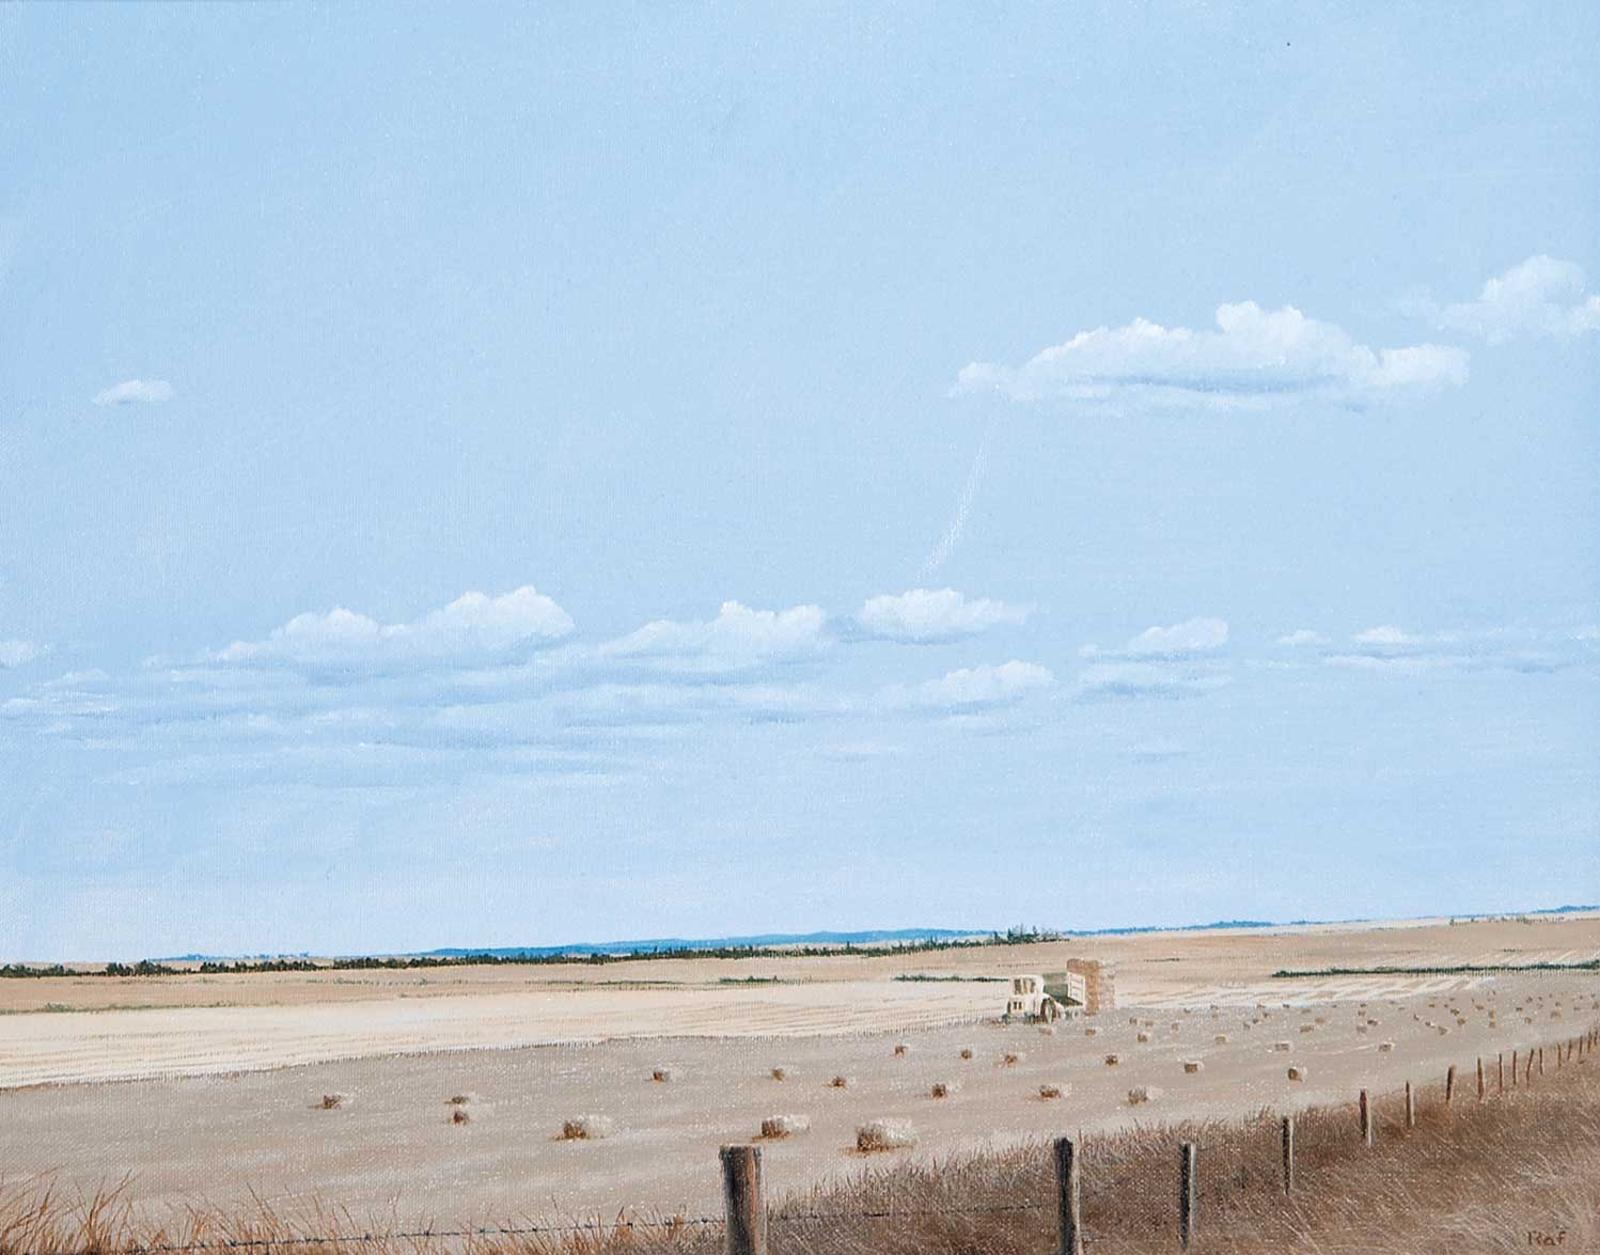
(1541, 1060)
(1500, 1069)
(1069, 1215)
(1513, 1069)
(1411, 1108)
(1366, 1119)
(1482, 1090)
(1288, 1154)
(1188, 1193)
(1449, 1084)
(741, 1196)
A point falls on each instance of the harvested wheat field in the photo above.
(488, 1096)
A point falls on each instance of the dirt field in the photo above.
(220, 1112)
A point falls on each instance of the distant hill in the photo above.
(869, 936)
(862, 937)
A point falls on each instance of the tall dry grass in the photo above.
(1474, 1178)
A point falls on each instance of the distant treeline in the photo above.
(1453, 969)
(369, 963)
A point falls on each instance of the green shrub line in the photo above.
(367, 963)
(1454, 969)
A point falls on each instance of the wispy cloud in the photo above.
(1165, 679)
(930, 615)
(1542, 297)
(1254, 358)
(1176, 660)
(1387, 648)
(135, 391)
(15, 653)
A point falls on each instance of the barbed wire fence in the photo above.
(1258, 1161)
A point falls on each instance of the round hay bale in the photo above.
(331, 1102)
(1192, 1066)
(459, 1116)
(661, 1075)
(1113, 1060)
(1384, 1047)
(1141, 1037)
(943, 1089)
(779, 1074)
(966, 1052)
(1011, 1058)
(1221, 1039)
(587, 1128)
(839, 1082)
(1090, 1031)
(774, 1127)
(1297, 1073)
(901, 1050)
(1140, 1094)
(1280, 1046)
(885, 1134)
(1049, 1092)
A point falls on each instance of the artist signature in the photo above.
(1544, 1237)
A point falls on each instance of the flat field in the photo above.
(209, 1089)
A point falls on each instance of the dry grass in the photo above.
(1477, 1177)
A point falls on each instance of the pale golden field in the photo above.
(208, 1089)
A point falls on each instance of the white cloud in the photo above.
(1539, 297)
(15, 653)
(1254, 358)
(1386, 634)
(147, 391)
(1532, 652)
(924, 615)
(1303, 636)
(737, 637)
(972, 688)
(1192, 636)
(473, 628)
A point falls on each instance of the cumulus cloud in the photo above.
(15, 653)
(1541, 297)
(737, 637)
(130, 391)
(473, 628)
(1386, 635)
(1254, 358)
(1177, 660)
(975, 688)
(926, 615)
(1192, 636)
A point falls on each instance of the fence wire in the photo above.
(1133, 1175)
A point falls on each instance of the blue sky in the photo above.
(479, 475)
